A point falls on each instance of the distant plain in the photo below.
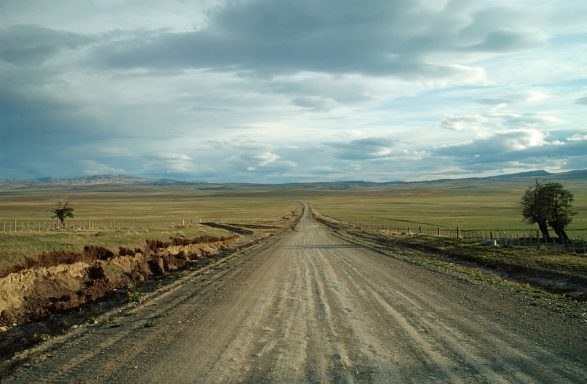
(471, 204)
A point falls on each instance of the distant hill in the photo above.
(91, 180)
(540, 173)
(121, 180)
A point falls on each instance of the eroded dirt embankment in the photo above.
(36, 292)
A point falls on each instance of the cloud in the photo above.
(258, 90)
(260, 164)
(93, 168)
(525, 147)
(315, 103)
(581, 101)
(465, 122)
(388, 38)
(529, 96)
(173, 156)
(361, 149)
(33, 45)
(507, 40)
(498, 119)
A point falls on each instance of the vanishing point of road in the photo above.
(312, 308)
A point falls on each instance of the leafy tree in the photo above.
(534, 209)
(62, 210)
(548, 205)
(560, 208)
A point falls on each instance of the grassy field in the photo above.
(144, 204)
(490, 205)
(486, 206)
(141, 203)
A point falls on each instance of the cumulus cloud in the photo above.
(386, 38)
(524, 147)
(260, 90)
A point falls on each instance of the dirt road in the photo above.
(312, 308)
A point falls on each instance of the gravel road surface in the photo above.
(312, 308)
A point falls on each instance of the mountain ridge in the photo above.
(341, 184)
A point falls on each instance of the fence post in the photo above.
(458, 233)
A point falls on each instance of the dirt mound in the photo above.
(72, 279)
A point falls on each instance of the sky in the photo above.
(277, 91)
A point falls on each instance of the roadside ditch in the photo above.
(63, 291)
(458, 260)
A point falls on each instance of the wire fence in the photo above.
(511, 238)
(116, 224)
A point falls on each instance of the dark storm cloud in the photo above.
(384, 38)
(30, 45)
(522, 146)
(42, 135)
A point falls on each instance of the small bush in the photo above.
(38, 337)
(134, 296)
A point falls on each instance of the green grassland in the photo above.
(145, 204)
(142, 203)
(490, 205)
(482, 205)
